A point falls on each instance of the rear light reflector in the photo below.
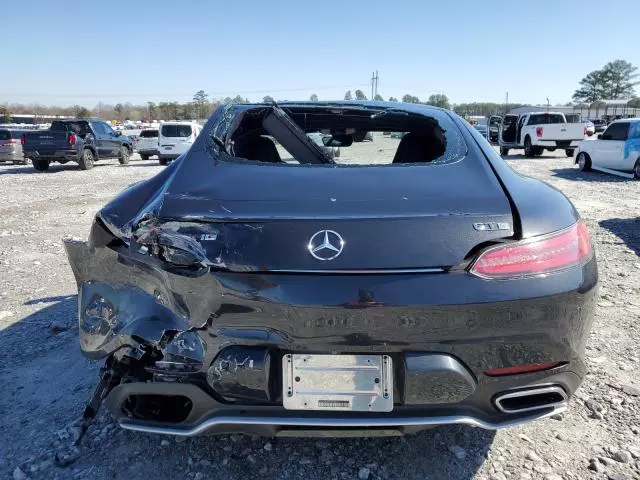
(72, 139)
(527, 368)
(538, 132)
(545, 254)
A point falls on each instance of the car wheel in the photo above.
(636, 170)
(144, 156)
(504, 151)
(528, 148)
(163, 161)
(40, 165)
(537, 151)
(87, 159)
(584, 162)
(125, 155)
(569, 152)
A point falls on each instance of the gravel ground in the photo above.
(46, 380)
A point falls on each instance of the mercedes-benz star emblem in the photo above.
(325, 245)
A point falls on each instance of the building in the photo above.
(605, 109)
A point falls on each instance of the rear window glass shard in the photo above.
(337, 135)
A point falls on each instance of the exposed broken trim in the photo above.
(337, 422)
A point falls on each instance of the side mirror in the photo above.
(599, 136)
(118, 133)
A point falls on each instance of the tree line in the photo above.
(616, 80)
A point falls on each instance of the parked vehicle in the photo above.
(482, 129)
(537, 131)
(589, 128)
(147, 145)
(616, 151)
(84, 141)
(493, 129)
(431, 286)
(175, 138)
(599, 125)
(319, 139)
(11, 147)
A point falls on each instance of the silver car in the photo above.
(10, 146)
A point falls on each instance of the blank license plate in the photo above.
(355, 383)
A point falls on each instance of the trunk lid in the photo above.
(561, 131)
(257, 217)
(46, 140)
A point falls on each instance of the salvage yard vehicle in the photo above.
(147, 145)
(536, 132)
(615, 151)
(273, 290)
(84, 141)
(10, 146)
(175, 138)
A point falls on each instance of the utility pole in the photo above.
(374, 84)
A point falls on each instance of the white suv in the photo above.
(175, 138)
(147, 144)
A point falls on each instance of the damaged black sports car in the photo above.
(260, 285)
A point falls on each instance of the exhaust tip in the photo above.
(531, 399)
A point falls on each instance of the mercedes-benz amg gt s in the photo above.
(259, 285)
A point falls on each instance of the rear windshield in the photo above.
(180, 131)
(5, 135)
(347, 136)
(545, 119)
(149, 134)
(80, 127)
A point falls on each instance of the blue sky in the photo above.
(138, 51)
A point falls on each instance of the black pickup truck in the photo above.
(84, 141)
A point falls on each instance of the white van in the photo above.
(175, 138)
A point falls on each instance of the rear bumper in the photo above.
(147, 151)
(481, 324)
(11, 156)
(558, 143)
(53, 155)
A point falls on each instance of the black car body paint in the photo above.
(197, 281)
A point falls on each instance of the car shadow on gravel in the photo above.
(54, 168)
(627, 229)
(593, 176)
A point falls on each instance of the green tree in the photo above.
(393, 99)
(360, 95)
(80, 112)
(118, 109)
(591, 88)
(616, 80)
(153, 111)
(378, 98)
(347, 96)
(439, 100)
(313, 97)
(200, 101)
(5, 114)
(268, 99)
(410, 99)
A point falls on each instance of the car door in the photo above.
(493, 128)
(609, 149)
(103, 140)
(112, 138)
(521, 122)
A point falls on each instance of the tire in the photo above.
(87, 159)
(551, 149)
(144, 156)
(584, 162)
(504, 151)
(163, 161)
(125, 155)
(537, 151)
(528, 148)
(570, 152)
(40, 164)
(636, 170)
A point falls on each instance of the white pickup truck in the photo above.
(538, 131)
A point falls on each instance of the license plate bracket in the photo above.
(356, 383)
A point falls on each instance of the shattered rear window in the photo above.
(346, 136)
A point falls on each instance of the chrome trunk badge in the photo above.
(325, 245)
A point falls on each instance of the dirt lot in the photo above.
(45, 380)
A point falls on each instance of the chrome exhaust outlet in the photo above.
(531, 399)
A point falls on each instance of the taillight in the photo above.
(518, 369)
(538, 132)
(545, 254)
(72, 139)
(23, 137)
